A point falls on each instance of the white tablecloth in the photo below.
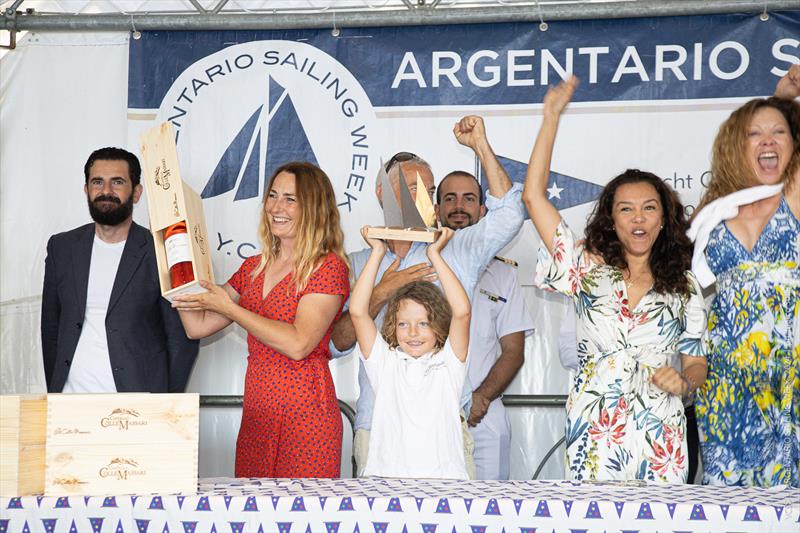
(395, 505)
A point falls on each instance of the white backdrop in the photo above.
(64, 95)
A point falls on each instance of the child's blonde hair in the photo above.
(431, 298)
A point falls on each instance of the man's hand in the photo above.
(470, 132)
(393, 279)
(788, 87)
(480, 406)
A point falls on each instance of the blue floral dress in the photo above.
(619, 425)
(748, 411)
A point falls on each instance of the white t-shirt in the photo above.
(416, 428)
(90, 370)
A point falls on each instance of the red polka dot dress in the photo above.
(291, 425)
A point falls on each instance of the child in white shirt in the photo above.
(417, 367)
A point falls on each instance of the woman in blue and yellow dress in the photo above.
(748, 238)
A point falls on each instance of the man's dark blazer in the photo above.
(147, 344)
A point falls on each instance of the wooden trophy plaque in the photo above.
(409, 220)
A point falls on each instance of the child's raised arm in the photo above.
(455, 294)
(363, 324)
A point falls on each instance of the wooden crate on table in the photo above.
(22, 444)
(127, 443)
(169, 201)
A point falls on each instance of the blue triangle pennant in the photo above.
(443, 506)
(25, 528)
(346, 504)
(568, 506)
(180, 501)
(322, 500)
(121, 529)
(4, 525)
(332, 527)
(250, 505)
(142, 525)
(370, 501)
(394, 506)
(645, 513)
(62, 503)
(724, 509)
(477, 529)
(213, 528)
(468, 503)
(189, 527)
(96, 523)
(237, 527)
(778, 512)
(284, 527)
(380, 527)
(697, 513)
(41, 497)
(109, 501)
(202, 504)
(428, 528)
(751, 514)
(518, 505)
(419, 503)
(49, 524)
(156, 503)
(619, 506)
(227, 501)
(593, 511)
(563, 191)
(542, 510)
(492, 508)
(671, 509)
(298, 504)
(72, 528)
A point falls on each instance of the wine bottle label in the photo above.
(177, 249)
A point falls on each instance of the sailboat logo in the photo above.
(271, 136)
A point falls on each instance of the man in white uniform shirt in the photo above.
(105, 326)
(500, 322)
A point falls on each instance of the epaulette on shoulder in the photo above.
(507, 261)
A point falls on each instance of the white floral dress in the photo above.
(619, 425)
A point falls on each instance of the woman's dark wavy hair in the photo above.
(671, 255)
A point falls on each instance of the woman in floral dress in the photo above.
(749, 409)
(637, 306)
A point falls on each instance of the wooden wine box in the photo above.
(171, 200)
(129, 443)
(22, 444)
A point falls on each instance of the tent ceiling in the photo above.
(116, 15)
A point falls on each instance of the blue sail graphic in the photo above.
(570, 191)
(287, 137)
(277, 137)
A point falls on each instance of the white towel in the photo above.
(718, 211)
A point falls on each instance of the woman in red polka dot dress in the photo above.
(287, 299)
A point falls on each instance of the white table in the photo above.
(389, 505)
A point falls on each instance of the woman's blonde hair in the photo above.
(730, 169)
(318, 229)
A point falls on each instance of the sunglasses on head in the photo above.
(399, 157)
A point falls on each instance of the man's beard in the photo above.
(467, 223)
(112, 216)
